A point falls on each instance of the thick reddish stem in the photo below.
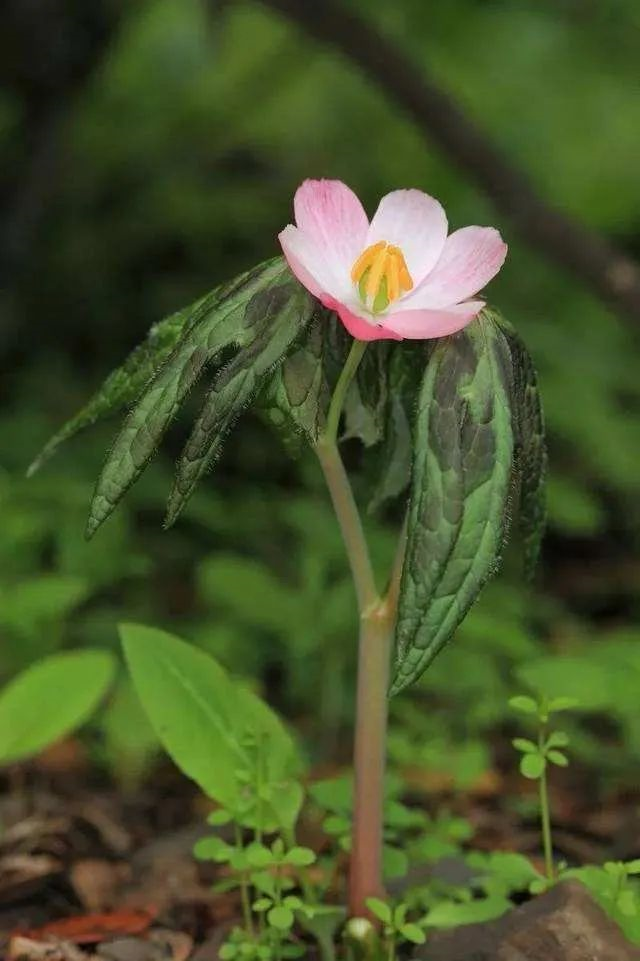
(365, 877)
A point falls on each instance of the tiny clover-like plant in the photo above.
(548, 748)
(616, 886)
(50, 699)
(264, 875)
(396, 928)
(377, 326)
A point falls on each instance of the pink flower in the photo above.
(398, 276)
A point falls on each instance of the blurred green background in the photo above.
(150, 150)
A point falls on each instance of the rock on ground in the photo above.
(565, 924)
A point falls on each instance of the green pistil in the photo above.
(381, 300)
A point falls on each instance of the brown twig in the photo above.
(603, 269)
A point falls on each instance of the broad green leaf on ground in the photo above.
(49, 700)
(190, 703)
(459, 502)
(451, 914)
(275, 317)
(130, 743)
(217, 732)
(530, 448)
(229, 316)
(123, 386)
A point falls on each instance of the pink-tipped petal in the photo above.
(471, 257)
(414, 222)
(357, 326)
(306, 261)
(426, 324)
(330, 213)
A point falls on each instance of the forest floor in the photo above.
(93, 873)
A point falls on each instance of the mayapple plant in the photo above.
(378, 323)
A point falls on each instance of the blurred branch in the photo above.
(602, 268)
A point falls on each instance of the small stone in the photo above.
(128, 949)
(565, 924)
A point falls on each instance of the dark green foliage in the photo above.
(230, 316)
(477, 437)
(389, 464)
(298, 394)
(274, 318)
(458, 511)
(261, 313)
(379, 406)
(531, 452)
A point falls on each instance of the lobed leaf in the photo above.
(389, 464)
(228, 316)
(298, 395)
(530, 452)
(274, 318)
(458, 509)
(366, 402)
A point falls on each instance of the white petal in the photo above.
(414, 222)
(329, 213)
(309, 263)
(471, 257)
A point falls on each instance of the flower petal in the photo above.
(414, 222)
(330, 214)
(357, 326)
(425, 324)
(471, 257)
(307, 262)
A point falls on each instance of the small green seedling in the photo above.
(615, 886)
(536, 756)
(396, 929)
(265, 871)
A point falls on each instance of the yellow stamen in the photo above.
(382, 273)
(365, 260)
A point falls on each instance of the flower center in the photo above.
(382, 275)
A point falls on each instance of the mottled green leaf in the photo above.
(275, 317)
(367, 399)
(388, 465)
(123, 386)
(298, 395)
(530, 448)
(220, 320)
(299, 392)
(458, 510)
